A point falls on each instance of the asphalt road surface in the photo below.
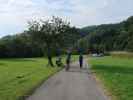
(76, 84)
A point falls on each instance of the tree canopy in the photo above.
(109, 37)
(56, 33)
(41, 37)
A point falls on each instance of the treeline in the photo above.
(19, 46)
(108, 37)
(40, 40)
(60, 35)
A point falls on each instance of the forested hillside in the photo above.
(109, 37)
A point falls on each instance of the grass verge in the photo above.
(116, 74)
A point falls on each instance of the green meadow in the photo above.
(18, 77)
(116, 73)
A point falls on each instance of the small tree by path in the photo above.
(49, 34)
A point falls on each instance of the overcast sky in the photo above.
(14, 14)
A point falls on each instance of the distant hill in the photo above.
(109, 37)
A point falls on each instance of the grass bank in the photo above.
(116, 75)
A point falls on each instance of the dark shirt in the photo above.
(68, 58)
(80, 58)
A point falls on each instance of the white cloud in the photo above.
(14, 14)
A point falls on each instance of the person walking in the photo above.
(68, 59)
(58, 59)
(81, 60)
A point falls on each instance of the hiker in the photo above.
(58, 59)
(68, 59)
(81, 60)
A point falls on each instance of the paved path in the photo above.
(75, 84)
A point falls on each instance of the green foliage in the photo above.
(52, 34)
(110, 37)
(19, 46)
(116, 74)
(41, 37)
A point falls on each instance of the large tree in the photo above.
(49, 33)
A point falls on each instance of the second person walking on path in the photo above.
(68, 60)
(81, 60)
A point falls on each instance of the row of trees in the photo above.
(19, 46)
(42, 38)
(108, 37)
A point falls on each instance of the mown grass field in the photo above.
(116, 74)
(19, 76)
